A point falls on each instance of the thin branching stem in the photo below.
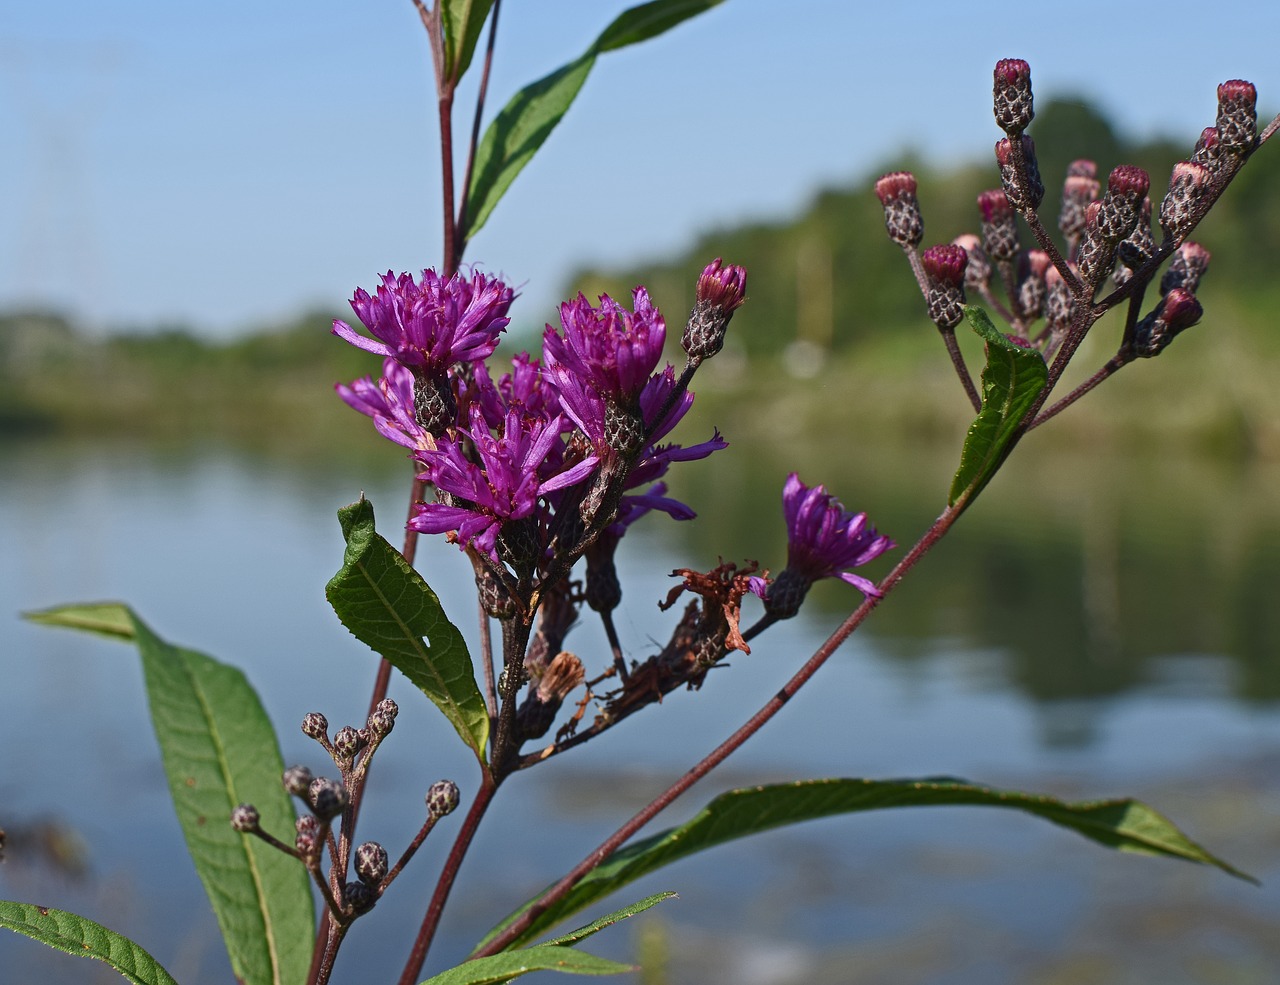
(722, 752)
(463, 232)
(962, 371)
(1112, 365)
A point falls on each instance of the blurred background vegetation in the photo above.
(831, 302)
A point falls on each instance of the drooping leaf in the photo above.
(1126, 825)
(463, 20)
(1011, 381)
(219, 750)
(385, 604)
(512, 964)
(527, 120)
(82, 937)
(609, 919)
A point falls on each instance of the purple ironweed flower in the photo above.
(390, 403)
(823, 541)
(608, 349)
(505, 485)
(527, 387)
(432, 324)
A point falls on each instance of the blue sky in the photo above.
(226, 165)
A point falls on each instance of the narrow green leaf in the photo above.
(463, 21)
(1126, 825)
(1011, 381)
(385, 603)
(105, 618)
(609, 919)
(84, 938)
(527, 120)
(647, 21)
(512, 964)
(219, 750)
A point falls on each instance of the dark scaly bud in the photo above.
(371, 863)
(539, 710)
(359, 897)
(434, 404)
(494, 597)
(1032, 267)
(1097, 255)
(1186, 268)
(519, 543)
(347, 742)
(721, 291)
(1177, 311)
(999, 229)
(382, 719)
(1058, 305)
(944, 267)
(1189, 183)
(1082, 167)
(1237, 122)
(307, 841)
(316, 725)
(1137, 248)
(902, 219)
(245, 819)
(442, 798)
(297, 780)
(1209, 150)
(1012, 95)
(604, 590)
(1127, 185)
(327, 797)
(977, 272)
(1078, 191)
(1009, 173)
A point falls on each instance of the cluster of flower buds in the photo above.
(328, 801)
(1099, 227)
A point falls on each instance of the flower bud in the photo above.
(1078, 191)
(1009, 173)
(494, 597)
(1126, 187)
(328, 798)
(359, 897)
(1189, 183)
(977, 271)
(1209, 150)
(1082, 168)
(999, 229)
(1137, 248)
(381, 720)
(721, 291)
(442, 798)
(1188, 265)
(245, 819)
(944, 267)
(297, 780)
(371, 863)
(1237, 122)
(346, 743)
(1012, 95)
(902, 219)
(316, 725)
(1032, 267)
(307, 824)
(1097, 254)
(1058, 303)
(1177, 311)
(307, 841)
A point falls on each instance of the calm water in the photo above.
(1094, 628)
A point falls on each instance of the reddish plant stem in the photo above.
(330, 955)
(1113, 364)
(962, 371)
(722, 752)
(431, 919)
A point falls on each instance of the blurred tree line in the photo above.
(829, 279)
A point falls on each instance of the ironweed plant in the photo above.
(537, 469)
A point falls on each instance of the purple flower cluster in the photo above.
(523, 449)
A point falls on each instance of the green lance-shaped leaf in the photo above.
(1126, 825)
(84, 938)
(512, 964)
(219, 750)
(463, 20)
(385, 603)
(527, 120)
(1011, 381)
(609, 919)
